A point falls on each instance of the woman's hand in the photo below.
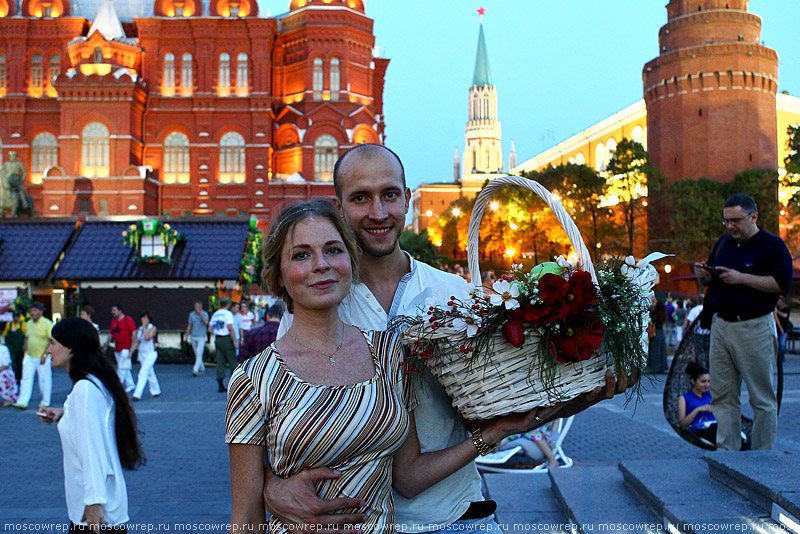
(50, 415)
(93, 515)
(703, 408)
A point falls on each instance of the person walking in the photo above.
(248, 320)
(98, 431)
(145, 342)
(14, 335)
(122, 329)
(236, 310)
(9, 390)
(748, 269)
(196, 331)
(261, 337)
(225, 342)
(36, 360)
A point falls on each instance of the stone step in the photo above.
(523, 500)
(766, 478)
(596, 498)
(683, 494)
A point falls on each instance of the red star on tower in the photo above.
(481, 11)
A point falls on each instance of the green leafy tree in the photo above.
(762, 186)
(695, 221)
(420, 247)
(628, 170)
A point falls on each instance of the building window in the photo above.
(317, 79)
(224, 81)
(44, 155)
(2, 75)
(231, 159)
(580, 159)
(36, 88)
(326, 150)
(335, 79)
(176, 159)
(600, 158)
(47, 9)
(611, 149)
(179, 9)
(637, 135)
(52, 73)
(98, 55)
(94, 150)
(168, 80)
(234, 10)
(242, 88)
(187, 80)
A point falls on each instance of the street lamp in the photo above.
(494, 206)
(513, 226)
(510, 253)
(429, 213)
(456, 212)
(667, 270)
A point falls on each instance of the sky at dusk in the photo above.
(559, 67)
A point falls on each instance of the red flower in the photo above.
(552, 289)
(579, 337)
(514, 332)
(580, 294)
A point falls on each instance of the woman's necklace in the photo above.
(329, 356)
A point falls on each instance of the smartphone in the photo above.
(43, 414)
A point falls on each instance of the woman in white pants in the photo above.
(145, 340)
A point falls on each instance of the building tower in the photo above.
(483, 153)
(456, 168)
(710, 94)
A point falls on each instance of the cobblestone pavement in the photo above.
(185, 485)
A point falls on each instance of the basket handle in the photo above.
(574, 235)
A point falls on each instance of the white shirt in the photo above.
(146, 345)
(220, 321)
(247, 320)
(92, 469)
(439, 425)
(5, 356)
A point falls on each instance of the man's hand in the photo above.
(730, 276)
(294, 501)
(701, 270)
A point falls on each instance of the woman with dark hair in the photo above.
(144, 339)
(98, 430)
(694, 406)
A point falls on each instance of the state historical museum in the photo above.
(183, 107)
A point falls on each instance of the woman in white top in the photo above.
(145, 340)
(98, 430)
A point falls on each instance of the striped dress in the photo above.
(354, 428)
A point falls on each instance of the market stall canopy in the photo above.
(211, 250)
(30, 250)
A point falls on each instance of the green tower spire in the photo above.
(482, 76)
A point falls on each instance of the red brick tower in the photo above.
(710, 94)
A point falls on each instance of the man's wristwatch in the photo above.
(483, 447)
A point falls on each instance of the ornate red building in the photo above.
(183, 107)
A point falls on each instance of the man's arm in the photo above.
(765, 283)
(294, 500)
(233, 336)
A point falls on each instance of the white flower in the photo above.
(564, 263)
(470, 322)
(505, 294)
(471, 289)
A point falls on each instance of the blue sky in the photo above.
(559, 67)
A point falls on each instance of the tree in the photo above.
(762, 186)
(420, 247)
(696, 211)
(628, 170)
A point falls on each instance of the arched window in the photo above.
(488, 166)
(231, 158)
(2, 75)
(637, 134)
(242, 88)
(44, 155)
(36, 87)
(187, 79)
(326, 150)
(600, 157)
(53, 71)
(176, 159)
(318, 78)
(580, 159)
(611, 149)
(98, 55)
(94, 150)
(335, 81)
(168, 80)
(224, 79)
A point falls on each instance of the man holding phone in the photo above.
(748, 269)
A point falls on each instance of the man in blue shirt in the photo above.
(748, 270)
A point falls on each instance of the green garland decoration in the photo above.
(133, 238)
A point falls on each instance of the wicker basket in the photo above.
(509, 381)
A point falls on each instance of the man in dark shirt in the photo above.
(748, 269)
(258, 339)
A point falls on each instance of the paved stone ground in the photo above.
(185, 484)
